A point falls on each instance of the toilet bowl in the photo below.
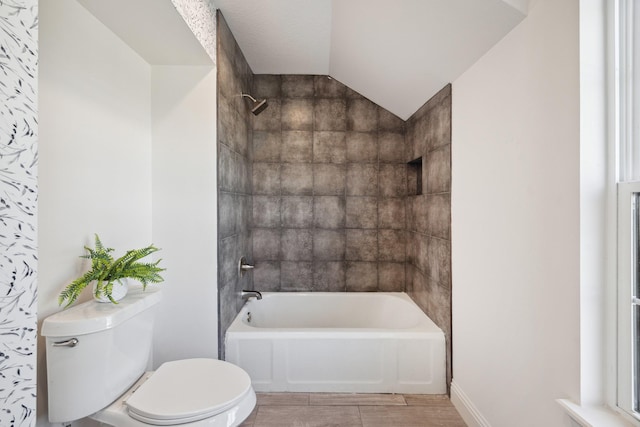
(97, 355)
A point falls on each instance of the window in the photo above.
(629, 298)
(627, 138)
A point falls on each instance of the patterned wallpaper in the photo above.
(18, 215)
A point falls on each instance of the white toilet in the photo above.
(97, 355)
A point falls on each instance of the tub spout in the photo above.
(250, 294)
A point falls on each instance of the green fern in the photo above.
(105, 270)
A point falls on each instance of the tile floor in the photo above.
(353, 410)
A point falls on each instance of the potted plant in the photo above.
(107, 272)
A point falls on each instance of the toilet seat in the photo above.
(188, 390)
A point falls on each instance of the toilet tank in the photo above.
(112, 351)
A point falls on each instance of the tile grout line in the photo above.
(360, 416)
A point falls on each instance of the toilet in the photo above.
(97, 358)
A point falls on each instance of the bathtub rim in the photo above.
(426, 327)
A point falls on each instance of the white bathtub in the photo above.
(338, 342)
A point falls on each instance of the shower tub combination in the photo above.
(338, 342)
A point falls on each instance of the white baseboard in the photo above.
(467, 410)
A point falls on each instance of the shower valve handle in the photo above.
(243, 267)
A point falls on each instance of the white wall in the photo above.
(127, 150)
(94, 151)
(184, 209)
(516, 223)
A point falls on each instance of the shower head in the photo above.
(258, 106)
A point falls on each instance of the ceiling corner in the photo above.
(521, 6)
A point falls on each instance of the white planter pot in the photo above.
(119, 291)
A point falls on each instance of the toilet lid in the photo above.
(188, 390)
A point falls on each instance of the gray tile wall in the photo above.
(235, 151)
(329, 188)
(429, 214)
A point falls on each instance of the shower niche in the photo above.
(414, 177)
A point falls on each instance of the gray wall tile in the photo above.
(362, 212)
(329, 211)
(297, 245)
(329, 179)
(228, 84)
(269, 119)
(297, 86)
(352, 94)
(328, 245)
(439, 214)
(391, 213)
(329, 114)
(235, 146)
(389, 122)
(411, 212)
(391, 276)
(266, 211)
(422, 253)
(419, 214)
(439, 260)
(392, 147)
(438, 170)
(226, 167)
(227, 307)
(362, 147)
(329, 276)
(228, 218)
(362, 179)
(428, 135)
(228, 262)
(329, 147)
(266, 178)
(362, 245)
(440, 305)
(362, 115)
(297, 114)
(266, 276)
(362, 276)
(440, 125)
(266, 86)
(266, 244)
(266, 146)
(297, 211)
(417, 133)
(297, 146)
(297, 179)
(391, 245)
(412, 248)
(327, 87)
(232, 128)
(296, 276)
(393, 180)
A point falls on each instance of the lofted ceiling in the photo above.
(396, 53)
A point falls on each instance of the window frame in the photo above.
(625, 71)
(627, 257)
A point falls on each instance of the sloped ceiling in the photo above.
(396, 53)
(152, 28)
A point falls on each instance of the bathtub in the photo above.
(338, 342)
